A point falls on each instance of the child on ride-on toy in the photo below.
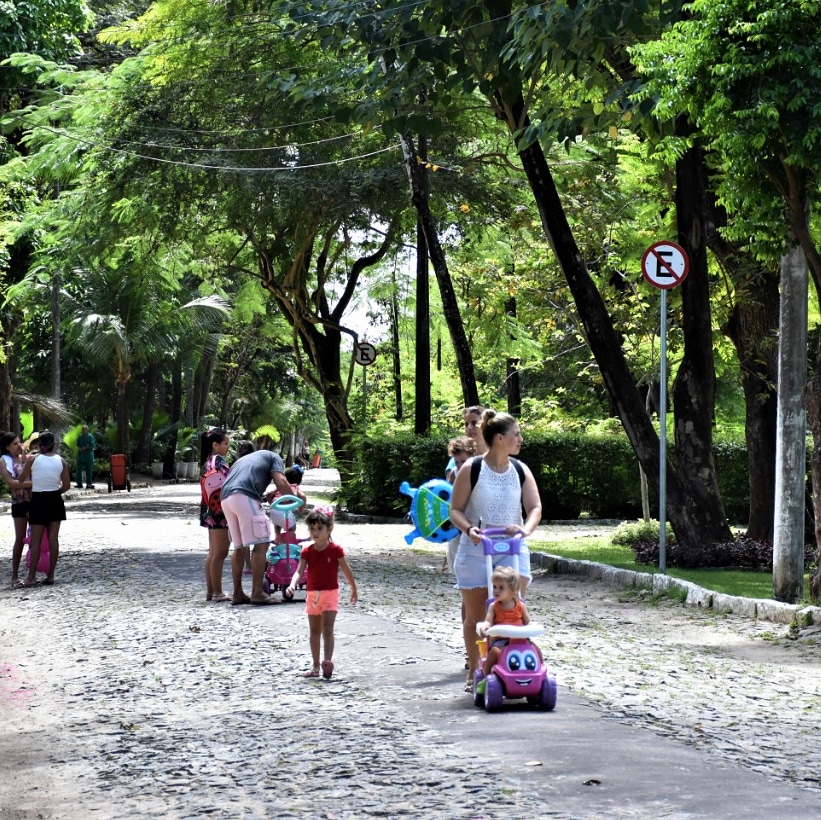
(505, 609)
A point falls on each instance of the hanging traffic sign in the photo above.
(364, 353)
(665, 265)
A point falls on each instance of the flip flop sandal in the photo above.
(311, 673)
(327, 669)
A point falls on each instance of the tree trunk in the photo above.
(142, 453)
(422, 398)
(752, 327)
(694, 385)
(56, 385)
(202, 385)
(122, 417)
(174, 411)
(814, 417)
(188, 408)
(319, 332)
(450, 306)
(790, 469)
(514, 389)
(695, 527)
(397, 359)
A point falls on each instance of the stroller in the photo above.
(283, 559)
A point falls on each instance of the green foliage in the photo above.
(46, 27)
(629, 532)
(601, 550)
(384, 463)
(748, 74)
(590, 473)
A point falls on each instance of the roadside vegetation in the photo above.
(634, 546)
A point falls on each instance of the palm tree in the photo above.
(126, 318)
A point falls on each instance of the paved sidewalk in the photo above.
(125, 695)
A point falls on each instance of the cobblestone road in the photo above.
(124, 694)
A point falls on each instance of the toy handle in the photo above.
(491, 531)
(286, 503)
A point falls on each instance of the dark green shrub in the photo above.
(592, 473)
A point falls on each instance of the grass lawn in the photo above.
(744, 583)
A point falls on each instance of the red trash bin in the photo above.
(118, 473)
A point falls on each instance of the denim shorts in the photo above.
(470, 565)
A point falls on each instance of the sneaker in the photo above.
(79, 486)
(89, 486)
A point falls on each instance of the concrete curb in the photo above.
(691, 594)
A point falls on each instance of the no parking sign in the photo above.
(665, 265)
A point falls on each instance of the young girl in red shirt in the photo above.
(324, 560)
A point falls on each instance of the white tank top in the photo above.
(46, 473)
(495, 501)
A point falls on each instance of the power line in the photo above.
(203, 167)
(228, 150)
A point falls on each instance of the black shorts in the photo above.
(20, 509)
(47, 507)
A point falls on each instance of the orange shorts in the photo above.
(322, 600)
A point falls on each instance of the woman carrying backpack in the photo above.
(213, 450)
(490, 491)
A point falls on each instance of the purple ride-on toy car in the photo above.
(520, 671)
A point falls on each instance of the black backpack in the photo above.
(476, 468)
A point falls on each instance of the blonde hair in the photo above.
(507, 576)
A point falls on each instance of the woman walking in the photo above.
(503, 486)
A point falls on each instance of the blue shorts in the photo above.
(470, 565)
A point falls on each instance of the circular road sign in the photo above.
(665, 265)
(364, 353)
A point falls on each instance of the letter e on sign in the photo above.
(364, 353)
(665, 265)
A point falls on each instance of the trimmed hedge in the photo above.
(589, 474)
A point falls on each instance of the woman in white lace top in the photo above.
(502, 488)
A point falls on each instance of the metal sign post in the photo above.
(664, 265)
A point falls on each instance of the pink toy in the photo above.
(520, 671)
(283, 559)
(44, 564)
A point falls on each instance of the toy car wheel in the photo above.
(547, 697)
(478, 697)
(493, 693)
